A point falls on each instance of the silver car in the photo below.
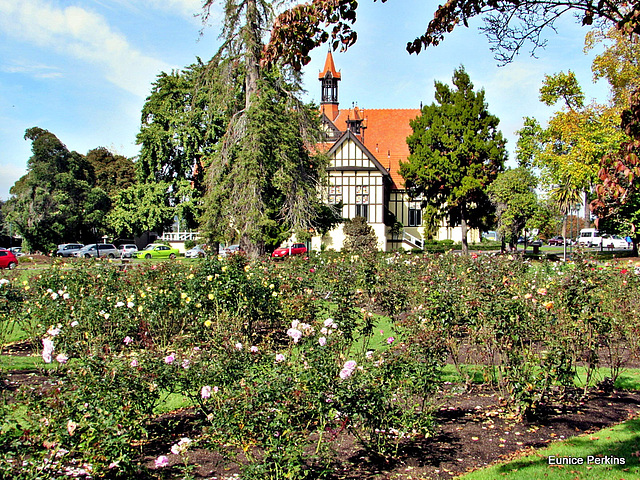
(196, 252)
(98, 250)
(68, 249)
(127, 250)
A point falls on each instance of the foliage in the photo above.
(140, 208)
(360, 237)
(570, 148)
(278, 362)
(265, 187)
(456, 152)
(513, 194)
(112, 172)
(58, 195)
(618, 63)
(178, 133)
(508, 24)
(618, 191)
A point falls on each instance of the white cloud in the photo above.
(83, 35)
(36, 70)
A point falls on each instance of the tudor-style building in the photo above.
(365, 149)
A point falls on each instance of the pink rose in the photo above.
(169, 359)
(205, 392)
(162, 461)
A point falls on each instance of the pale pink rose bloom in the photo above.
(162, 461)
(47, 349)
(347, 369)
(279, 357)
(127, 340)
(238, 346)
(169, 359)
(390, 340)
(185, 363)
(322, 341)
(254, 349)
(62, 358)
(295, 334)
(205, 392)
(215, 389)
(134, 363)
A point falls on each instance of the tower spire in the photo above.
(329, 78)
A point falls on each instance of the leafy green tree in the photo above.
(514, 197)
(141, 208)
(262, 180)
(456, 152)
(178, 133)
(112, 172)
(57, 199)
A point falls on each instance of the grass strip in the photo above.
(611, 453)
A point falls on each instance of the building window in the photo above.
(415, 214)
(362, 211)
(335, 195)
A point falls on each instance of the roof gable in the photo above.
(385, 135)
(366, 160)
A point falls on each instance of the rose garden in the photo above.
(334, 366)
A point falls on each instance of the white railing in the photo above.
(411, 240)
(179, 236)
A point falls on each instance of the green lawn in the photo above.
(616, 444)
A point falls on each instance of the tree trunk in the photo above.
(587, 212)
(564, 237)
(463, 228)
(252, 54)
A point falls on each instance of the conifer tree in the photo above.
(456, 151)
(262, 180)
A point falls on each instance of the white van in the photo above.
(589, 237)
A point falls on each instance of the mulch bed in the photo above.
(473, 431)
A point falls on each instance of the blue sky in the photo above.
(83, 68)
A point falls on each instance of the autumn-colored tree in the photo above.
(569, 150)
(619, 63)
(618, 202)
(509, 24)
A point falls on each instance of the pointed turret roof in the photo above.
(329, 67)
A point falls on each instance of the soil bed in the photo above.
(473, 431)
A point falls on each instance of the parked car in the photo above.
(102, 250)
(535, 243)
(196, 252)
(295, 249)
(127, 250)
(68, 249)
(558, 240)
(229, 250)
(589, 237)
(157, 250)
(7, 259)
(614, 241)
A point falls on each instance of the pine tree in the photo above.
(456, 151)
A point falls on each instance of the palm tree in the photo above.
(567, 197)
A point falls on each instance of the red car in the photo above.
(7, 259)
(295, 249)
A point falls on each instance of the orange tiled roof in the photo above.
(330, 67)
(385, 134)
